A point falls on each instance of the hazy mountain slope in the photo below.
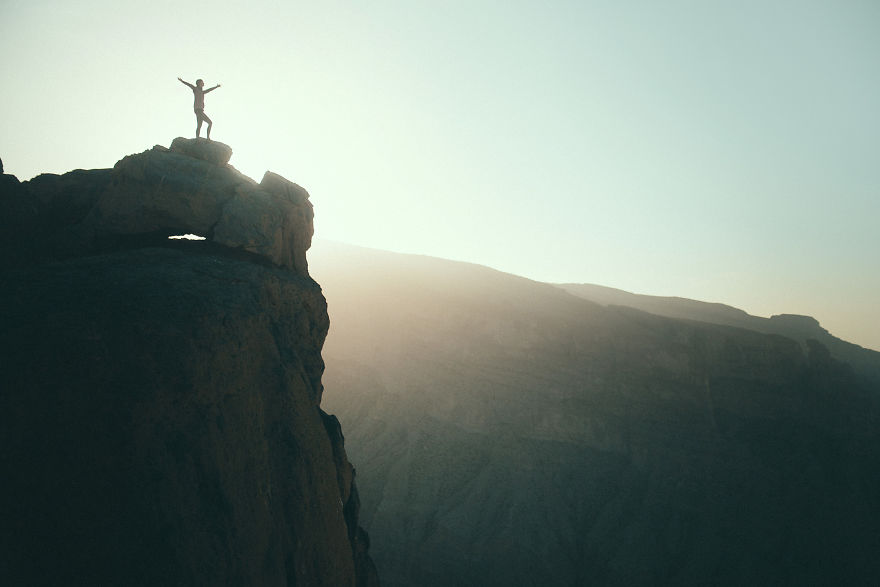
(507, 433)
(801, 328)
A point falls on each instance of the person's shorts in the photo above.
(200, 114)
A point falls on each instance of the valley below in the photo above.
(508, 432)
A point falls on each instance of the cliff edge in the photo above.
(160, 409)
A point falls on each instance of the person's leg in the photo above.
(208, 120)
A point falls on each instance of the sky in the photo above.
(720, 151)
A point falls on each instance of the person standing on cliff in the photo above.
(199, 104)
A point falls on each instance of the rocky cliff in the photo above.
(160, 412)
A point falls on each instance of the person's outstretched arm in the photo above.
(192, 87)
(212, 89)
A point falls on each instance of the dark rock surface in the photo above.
(509, 433)
(160, 400)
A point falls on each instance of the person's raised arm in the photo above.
(212, 89)
(192, 87)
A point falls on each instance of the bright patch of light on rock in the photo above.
(189, 237)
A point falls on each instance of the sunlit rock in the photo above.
(165, 192)
(210, 151)
(272, 219)
(149, 196)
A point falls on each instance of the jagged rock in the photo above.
(153, 195)
(345, 475)
(210, 151)
(66, 199)
(273, 219)
(18, 218)
(10, 194)
(160, 409)
(41, 218)
(163, 190)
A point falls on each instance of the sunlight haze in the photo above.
(719, 151)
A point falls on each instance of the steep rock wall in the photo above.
(160, 405)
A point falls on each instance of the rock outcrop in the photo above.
(161, 192)
(160, 408)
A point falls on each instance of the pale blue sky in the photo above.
(723, 151)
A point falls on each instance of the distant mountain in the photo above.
(800, 328)
(508, 432)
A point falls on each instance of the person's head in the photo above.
(200, 82)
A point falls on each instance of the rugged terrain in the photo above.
(160, 399)
(800, 328)
(510, 433)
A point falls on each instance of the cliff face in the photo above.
(160, 411)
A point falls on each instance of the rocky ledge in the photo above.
(160, 409)
(187, 189)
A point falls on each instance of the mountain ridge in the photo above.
(511, 433)
(798, 327)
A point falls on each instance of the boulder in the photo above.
(162, 192)
(204, 149)
(150, 196)
(273, 219)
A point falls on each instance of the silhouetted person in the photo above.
(199, 104)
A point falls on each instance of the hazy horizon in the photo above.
(321, 247)
(723, 153)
